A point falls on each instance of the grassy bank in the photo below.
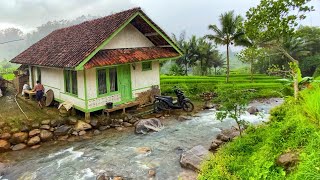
(266, 86)
(294, 127)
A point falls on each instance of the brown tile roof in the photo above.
(121, 56)
(68, 47)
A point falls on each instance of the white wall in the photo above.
(143, 80)
(129, 37)
(53, 78)
(91, 83)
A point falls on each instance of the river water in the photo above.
(117, 153)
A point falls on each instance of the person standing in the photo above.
(39, 89)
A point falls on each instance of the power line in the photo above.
(11, 41)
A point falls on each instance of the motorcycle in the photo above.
(166, 102)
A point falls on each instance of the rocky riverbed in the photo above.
(123, 153)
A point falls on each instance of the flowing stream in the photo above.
(117, 153)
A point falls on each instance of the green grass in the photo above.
(266, 86)
(292, 128)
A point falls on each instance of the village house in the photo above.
(110, 59)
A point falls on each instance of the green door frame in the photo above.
(125, 83)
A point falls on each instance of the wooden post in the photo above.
(87, 116)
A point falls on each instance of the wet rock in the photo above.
(126, 124)
(143, 150)
(120, 121)
(118, 178)
(46, 127)
(5, 136)
(102, 128)
(96, 132)
(63, 130)
(223, 138)
(25, 128)
(288, 160)
(35, 146)
(18, 147)
(101, 177)
(4, 145)
(19, 137)
(82, 126)
(94, 122)
(35, 125)
(52, 129)
(192, 158)
(183, 118)
(152, 173)
(33, 141)
(63, 138)
(54, 123)
(119, 128)
(145, 125)
(46, 135)
(72, 120)
(127, 117)
(45, 122)
(228, 134)
(134, 120)
(81, 133)
(215, 145)
(75, 133)
(253, 110)
(34, 132)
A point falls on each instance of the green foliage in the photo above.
(176, 70)
(254, 155)
(233, 103)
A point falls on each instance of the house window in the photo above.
(107, 80)
(102, 79)
(146, 66)
(113, 77)
(71, 82)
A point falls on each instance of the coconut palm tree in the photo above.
(229, 33)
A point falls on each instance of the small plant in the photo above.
(233, 103)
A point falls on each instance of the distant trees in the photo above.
(228, 34)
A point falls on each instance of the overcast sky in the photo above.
(173, 16)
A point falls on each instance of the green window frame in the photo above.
(107, 81)
(146, 66)
(71, 82)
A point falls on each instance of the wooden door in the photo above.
(125, 83)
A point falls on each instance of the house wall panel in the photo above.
(91, 83)
(143, 80)
(129, 37)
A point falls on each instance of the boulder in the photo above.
(102, 128)
(223, 138)
(82, 126)
(75, 133)
(252, 110)
(119, 128)
(72, 120)
(45, 122)
(94, 122)
(63, 130)
(126, 124)
(192, 158)
(5, 136)
(46, 135)
(143, 150)
(215, 145)
(288, 160)
(133, 120)
(35, 125)
(96, 132)
(33, 141)
(25, 128)
(152, 173)
(55, 123)
(145, 125)
(46, 127)
(183, 118)
(4, 145)
(81, 133)
(19, 137)
(34, 132)
(19, 147)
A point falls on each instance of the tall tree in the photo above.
(228, 35)
(274, 20)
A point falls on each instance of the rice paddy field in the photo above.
(264, 85)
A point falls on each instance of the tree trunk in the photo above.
(251, 70)
(228, 65)
(215, 71)
(201, 68)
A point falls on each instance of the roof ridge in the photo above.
(100, 18)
